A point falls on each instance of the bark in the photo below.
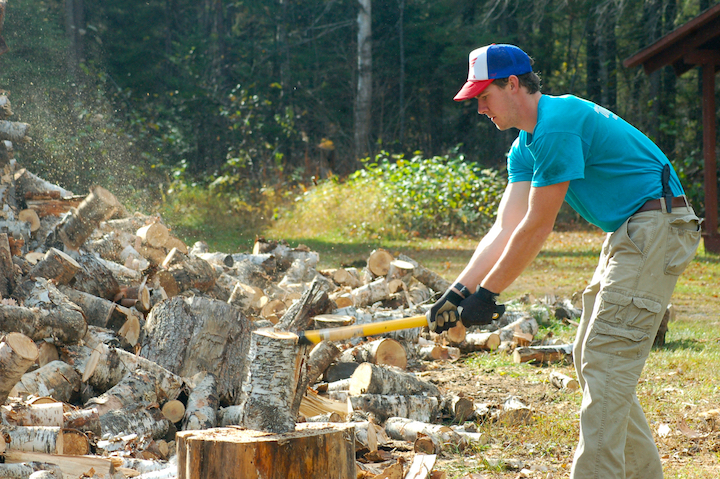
(285, 255)
(298, 317)
(86, 420)
(5, 108)
(7, 269)
(47, 314)
(373, 379)
(202, 403)
(137, 388)
(14, 131)
(270, 385)
(94, 277)
(370, 293)
(17, 354)
(29, 184)
(57, 266)
(98, 206)
(416, 407)
(312, 450)
(363, 100)
(384, 351)
(56, 379)
(319, 359)
(524, 328)
(97, 311)
(246, 297)
(192, 335)
(148, 422)
(403, 429)
(26, 470)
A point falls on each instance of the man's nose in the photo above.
(482, 107)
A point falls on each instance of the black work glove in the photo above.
(480, 308)
(443, 315)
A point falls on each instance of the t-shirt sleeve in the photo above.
(558, 157)
(520, 163)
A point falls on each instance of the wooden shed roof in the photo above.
(696, 42)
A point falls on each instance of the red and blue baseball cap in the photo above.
(489, 63)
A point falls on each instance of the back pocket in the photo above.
(683, 240)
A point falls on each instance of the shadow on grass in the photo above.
(682, 345)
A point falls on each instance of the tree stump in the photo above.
(312, 450)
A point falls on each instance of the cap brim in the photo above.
(471, 89)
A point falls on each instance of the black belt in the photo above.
(650, 205)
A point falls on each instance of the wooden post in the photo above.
(316, 450)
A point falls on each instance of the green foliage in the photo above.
(395, 197)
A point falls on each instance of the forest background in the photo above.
(246, 105)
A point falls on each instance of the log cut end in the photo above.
(23, 346)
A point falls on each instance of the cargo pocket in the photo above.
(643, 313)
(682, 242)
(613, 307)
(617, 341)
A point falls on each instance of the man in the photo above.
(569, 149)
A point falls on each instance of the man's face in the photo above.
(496, 103)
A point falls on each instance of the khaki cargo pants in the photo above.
(622, 310)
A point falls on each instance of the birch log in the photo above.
(136, 388)
(56, 379)
(144, 422)
(542, 354)
(563, 381)
(97, 206)
(97, 311)
(370, 293)
(25, 470)
(22, 414)
(202, 403)
(17, 353)
(403, 429)
(481, 341)
(14, 131)
(96, 278)
(416, 407)
(57, 266)
(384, 351)
(269, 388)
(49, 440)
(373, 379)
(429, 278)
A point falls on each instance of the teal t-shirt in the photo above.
(612, 167)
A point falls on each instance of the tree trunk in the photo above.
(17, 353)
(312, 450)
(74, 28)
(363, 101)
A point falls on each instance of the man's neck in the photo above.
(529, 107)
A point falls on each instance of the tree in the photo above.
(363, 102)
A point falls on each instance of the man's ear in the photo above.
(514, 82)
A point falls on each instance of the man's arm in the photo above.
(527, 237)
(513, 208)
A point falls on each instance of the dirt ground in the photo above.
(543, 448)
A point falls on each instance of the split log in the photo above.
(399, 269)
(47, 313)
(429, 278)
(298, 317)
(154, 234)
(57, 266)
(245, 296)
(563, 381)
(47, 352)
(22, 414)
(14, 131)
(17, 354)
(404, 429)
(144, 422)
(269, 388)
(384, 351)
(56, 379)
(323, 321)
(137, 388)
(202, 403)
(96, 278)
(98, 206)
(129, 224)
(311, 450)
(422, 467)
(111, 245)
(7, 269)
(120, 273)
(542, 354)
(373, 379)
(86, 420)
(378, 263)
(49, 440)
(482, 341)
(366, 436)
(370, 293)
(191, 335)
(97, 311)
(416, 407)
(25, 470)
(318, 360)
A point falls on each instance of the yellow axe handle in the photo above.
(370, 329)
